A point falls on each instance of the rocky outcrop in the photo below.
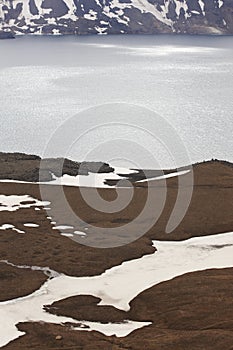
(31, 168)
(116, 16)
(6, 35)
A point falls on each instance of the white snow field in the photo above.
(170, 260)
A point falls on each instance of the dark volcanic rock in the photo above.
(14, 157)
(31, 168)
(117, 16)
(6, 35)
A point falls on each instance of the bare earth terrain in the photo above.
(192, 311)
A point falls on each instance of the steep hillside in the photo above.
(116, 16)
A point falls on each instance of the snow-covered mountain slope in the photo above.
(116, 16)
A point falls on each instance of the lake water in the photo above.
(185, 81)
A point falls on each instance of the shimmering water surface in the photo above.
(186, 80)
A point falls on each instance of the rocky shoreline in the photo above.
(6, 35)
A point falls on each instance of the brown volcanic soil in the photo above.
(43, 246)
(84, 307)
(193, 311)
(210, 212)
(195, 301)
(18, 282)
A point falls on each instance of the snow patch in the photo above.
(63, 227)
(31, 225)
(96, 180)
(202, 5)
(146, 7)
(167, 176)
(15, 202)
(171, 259)
(12, 227)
